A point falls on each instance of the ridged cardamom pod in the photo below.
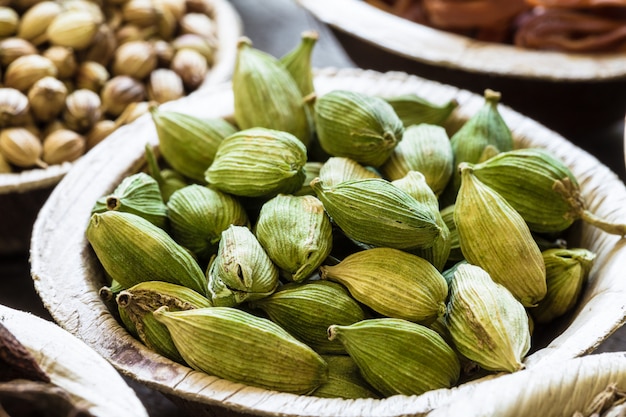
(495, 237)
(567, 271)
(189, 143)
(344, 380)
(258, 162)
(298, 62)
(141, 300)
(133, 250)
(137, 194)
(235, 345)
(198, 216)
(393, 283)
(337, 169)
(425, 148)
(375, 212)
(545, 192)
(397, 356)
(414, 110)
(447, 215)
(296, 233)
(487, 324)
(485, 134)
(168, 179)
(241, 270)
(266, 95)
(357, 126)
(415, 184)
(306, 310)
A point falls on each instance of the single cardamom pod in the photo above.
(357, 126)
(375, 212)
(137, 194)
(165, 85)
(425, 148)
(393, 283)
(237, 346)
(296, 234)
(397, 356)
(447, 215)
(21, 148)
(546, 193)
(344, 380)
(495, 237)
(198, 216)
(47, 98)
(487, 324)
(241, 270)
(141, 300)
(63, 145)
(338, 169)
(298, 62)
(483, 135)
(266, 95)
(258, 162)
(567, 271)
(83, 109)
(306, 310)
(416, 185)
(169, 180)
(414, 110)
(133, 250)
(189, 143)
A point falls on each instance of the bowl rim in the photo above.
(69, 290)
(229, 29)
(437, 47)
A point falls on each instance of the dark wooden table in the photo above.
(275, 26)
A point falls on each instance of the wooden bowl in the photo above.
(554, 88)
(22, 194)
(67, 275)
(73, 366)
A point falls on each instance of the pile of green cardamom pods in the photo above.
(340, 245)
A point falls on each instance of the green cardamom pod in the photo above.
(375, 212)
(258, 162)
(414, 110)
(133, 250)
(311, 171)
(296, 233)
(357, 126)
(240, 347)
(188, 143)
(137, 194)
(344, 380)
(567, 271)
(169, 180)
(306, 310)
(298, 62)
(495, 237)
(337, 169)
(396, 356)
(447, 214)
(487, 324)
(542, 189)
(241, 270)
(198, 216)
(393, 283)
(266, 95)
(425, 148)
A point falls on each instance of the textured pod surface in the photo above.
(198, 216)
(258, 162)
(399, 357)
(495, 237)
(357, 126)
(133, 250)
(425, 148)
(375, 212)
(337, 169)
(344, 380)
(487, 324)
(413, 109)
(393, 283)
(188, 143)
(306, 310)
(240, 347)
(137, 194)
(266, 95)
(540, 187)
(296, 233)
(241, 270)
(298, 62)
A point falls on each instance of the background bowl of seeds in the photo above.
(88, 292)
(74, 71)
(576, 65)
